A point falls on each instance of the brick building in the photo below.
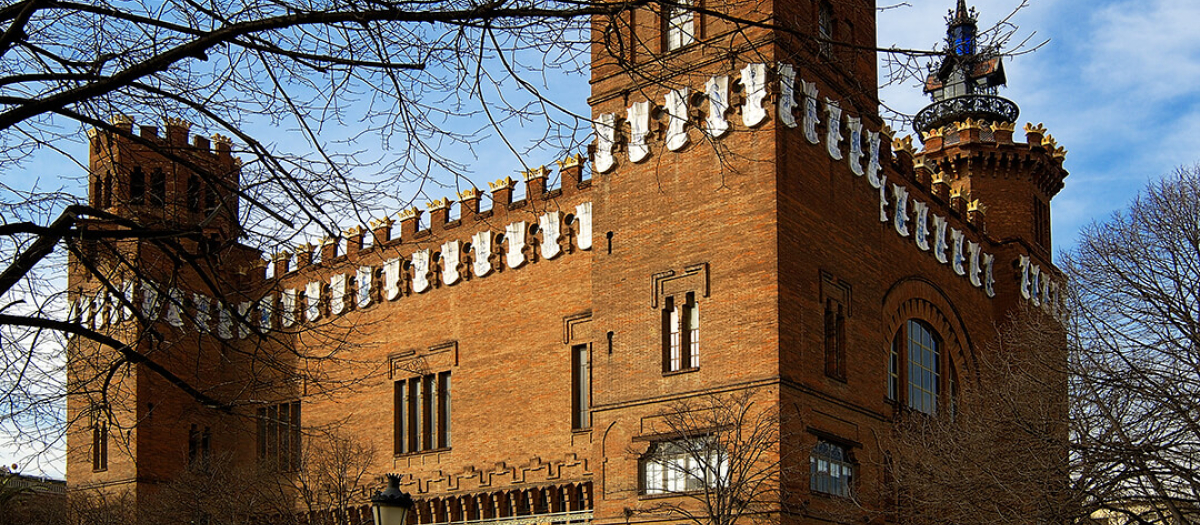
(744, 223)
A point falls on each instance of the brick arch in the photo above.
(921, 299)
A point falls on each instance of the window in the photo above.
(199, 451)
(835, 340)
(681, 331)
(581, 387)
(137, 186)
(830, 469)
(825, 28)
(99, 441)
(279, 436)
(422, 414)
(919, 346)
(684, 465)
(681, 25)
(193, 194)
(158, 187)
(1041, 222)
(210, 199)
(962, 38)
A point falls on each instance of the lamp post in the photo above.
(390, 506)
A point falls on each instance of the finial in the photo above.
(410, 213)
(438, 204)
(504, 183)
(539, 172)
(976, 206)
(176, 122)
(468, 194)
(385, 222)
(570, 162)
(904, 143)
(1040, 129)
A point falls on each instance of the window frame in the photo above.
(680, 29)
(829, 484)
(826, 28)
(581, 386)
(422, 413)
(901, 389)
(99, 444)
(682, 465)
(681, 334)
(835, 339)
(279, 436)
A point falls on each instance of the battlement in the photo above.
(380, 234)
(217, 148)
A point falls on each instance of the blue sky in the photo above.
(1116, 85)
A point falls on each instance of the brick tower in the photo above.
(764, 232)
(170, 261)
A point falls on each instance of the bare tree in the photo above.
(334, 480)
(720, 456)
(1136, 353)
(1002, 452)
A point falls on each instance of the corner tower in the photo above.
(165, 242)
(967, 134)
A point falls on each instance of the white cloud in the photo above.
(1145, 48)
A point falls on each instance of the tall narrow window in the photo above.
(681, 25)
(199, 452)
(919, 347)
(681, 333)
(825, 28)
(279, 436)
(692, 311)
(193, 193)
(158, 187)
(137, 186)
(422, 413)
(893, 378)
(443, 402)
(428, 414)
(210, 199)
(581, 387)
(400, 417)
(99, 443)
(923, 368)
(674, 337)
(835, 340)
(106, 190)
(1041, 222)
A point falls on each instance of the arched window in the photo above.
(915, 363)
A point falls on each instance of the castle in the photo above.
(749, 225)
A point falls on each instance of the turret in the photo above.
(967, 134)
(163, 181)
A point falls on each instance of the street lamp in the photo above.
(390, 506)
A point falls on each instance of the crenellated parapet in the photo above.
(175, 135)
(331, 276)
(1015, 180)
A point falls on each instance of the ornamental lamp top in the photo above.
(965, 82)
